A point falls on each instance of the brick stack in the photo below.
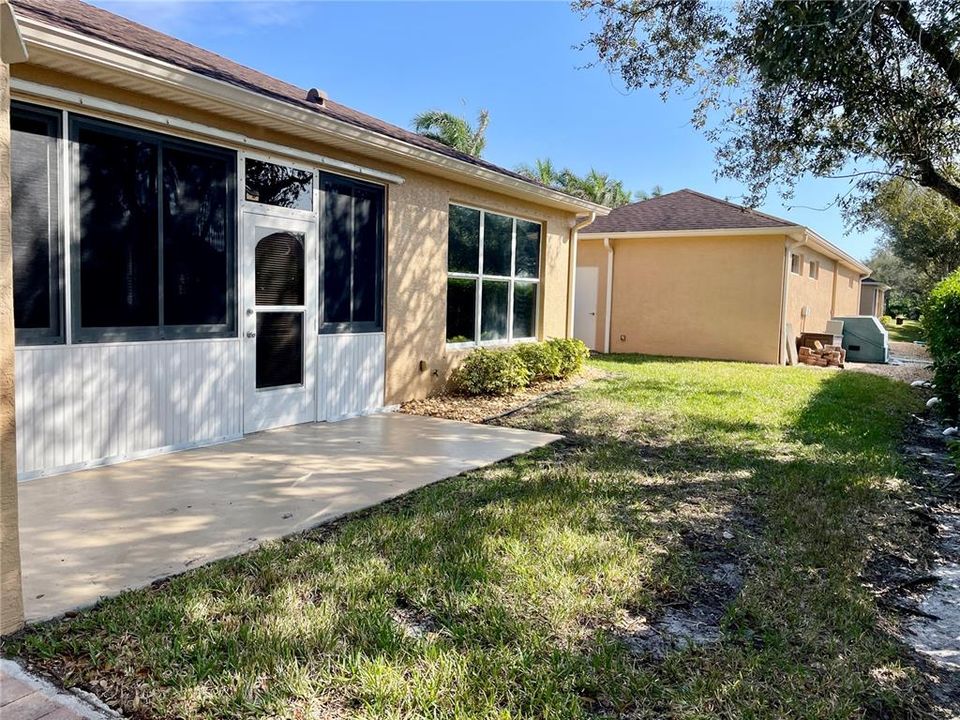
(823, 355)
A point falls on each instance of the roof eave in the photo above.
(701, 232)
(228, 99)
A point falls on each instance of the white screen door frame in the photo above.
(270, 403)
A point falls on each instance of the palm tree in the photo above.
(598, 187)
(544, 172)
(657, 191)
(453, 130)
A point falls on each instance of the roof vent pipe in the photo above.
(316, 96)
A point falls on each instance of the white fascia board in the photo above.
(91, 50)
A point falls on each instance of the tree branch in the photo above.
(935, 180)
(932, 42)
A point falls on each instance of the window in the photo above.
(814, 269)
(796, 264)
(493, 277)
(35, 224)
(155, 241)
(278, 185)
(351, 255)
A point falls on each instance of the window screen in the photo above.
(155, 240)
(278, 185)
(279, 349)
(351, 255)
(35, 176)
(493, 277)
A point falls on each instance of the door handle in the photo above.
(251, 334)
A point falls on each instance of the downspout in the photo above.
(575, 227)
(608, 309)
(788, 249)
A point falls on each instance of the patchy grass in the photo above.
(515, 591)
(910, 331)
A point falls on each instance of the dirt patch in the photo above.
(694, 620)
(921, 584)
(480, 409)
(909, 351)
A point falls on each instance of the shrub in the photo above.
(543, 360)
(492, 372)
(573, 354)
(941, 321)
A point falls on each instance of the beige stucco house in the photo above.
(685, 274)
(200, 251)
(873, 297)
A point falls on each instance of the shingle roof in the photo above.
(682, 210)
(98, 23)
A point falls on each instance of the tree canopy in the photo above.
(863, 88)
(454, 130)
(595, 186)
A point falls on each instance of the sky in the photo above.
(518, 60)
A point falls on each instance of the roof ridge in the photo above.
(742, 208)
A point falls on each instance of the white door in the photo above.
(279, 324)
(585, 305)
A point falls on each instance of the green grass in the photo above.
(518, 576)
(910, 331)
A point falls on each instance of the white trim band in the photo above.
(240, 141)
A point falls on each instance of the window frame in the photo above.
(55, 334)
(799, 263)
(479, 277)
(813, 269)
(350, 327)
(160, 331)
(267, 208)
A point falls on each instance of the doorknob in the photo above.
(251, 334)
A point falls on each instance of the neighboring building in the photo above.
(689, 275)
(201, 251)
(873, 297)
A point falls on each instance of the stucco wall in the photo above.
(11, 599)
(827, 296)
(708, 297)
(848, 291)
(415, 292)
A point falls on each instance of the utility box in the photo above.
(865, 339)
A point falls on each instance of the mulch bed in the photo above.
(480, 409)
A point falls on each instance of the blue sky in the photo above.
(518, 60)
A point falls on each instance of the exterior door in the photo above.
(585, 306)
(279, 322)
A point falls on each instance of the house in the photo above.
(689, 275)
(201, 251)
(873, 297)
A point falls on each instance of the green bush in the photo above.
(573, 354)
(492, 372)
(941, 322)
(543, 360)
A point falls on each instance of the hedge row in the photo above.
(941, 321)
(503, 371)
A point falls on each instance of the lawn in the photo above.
(908, 332)
(694, 549)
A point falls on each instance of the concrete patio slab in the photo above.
(96, 532)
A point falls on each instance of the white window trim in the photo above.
(512, 280)
(799, 258)
(815, 266)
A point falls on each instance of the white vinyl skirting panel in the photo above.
(350, 375)
(83, 405)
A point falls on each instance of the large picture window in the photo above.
(351, 255)
(155, 238)
(493, 277)
(36, 226)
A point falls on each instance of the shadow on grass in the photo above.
(520, 569)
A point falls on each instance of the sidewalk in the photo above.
(26, 697)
